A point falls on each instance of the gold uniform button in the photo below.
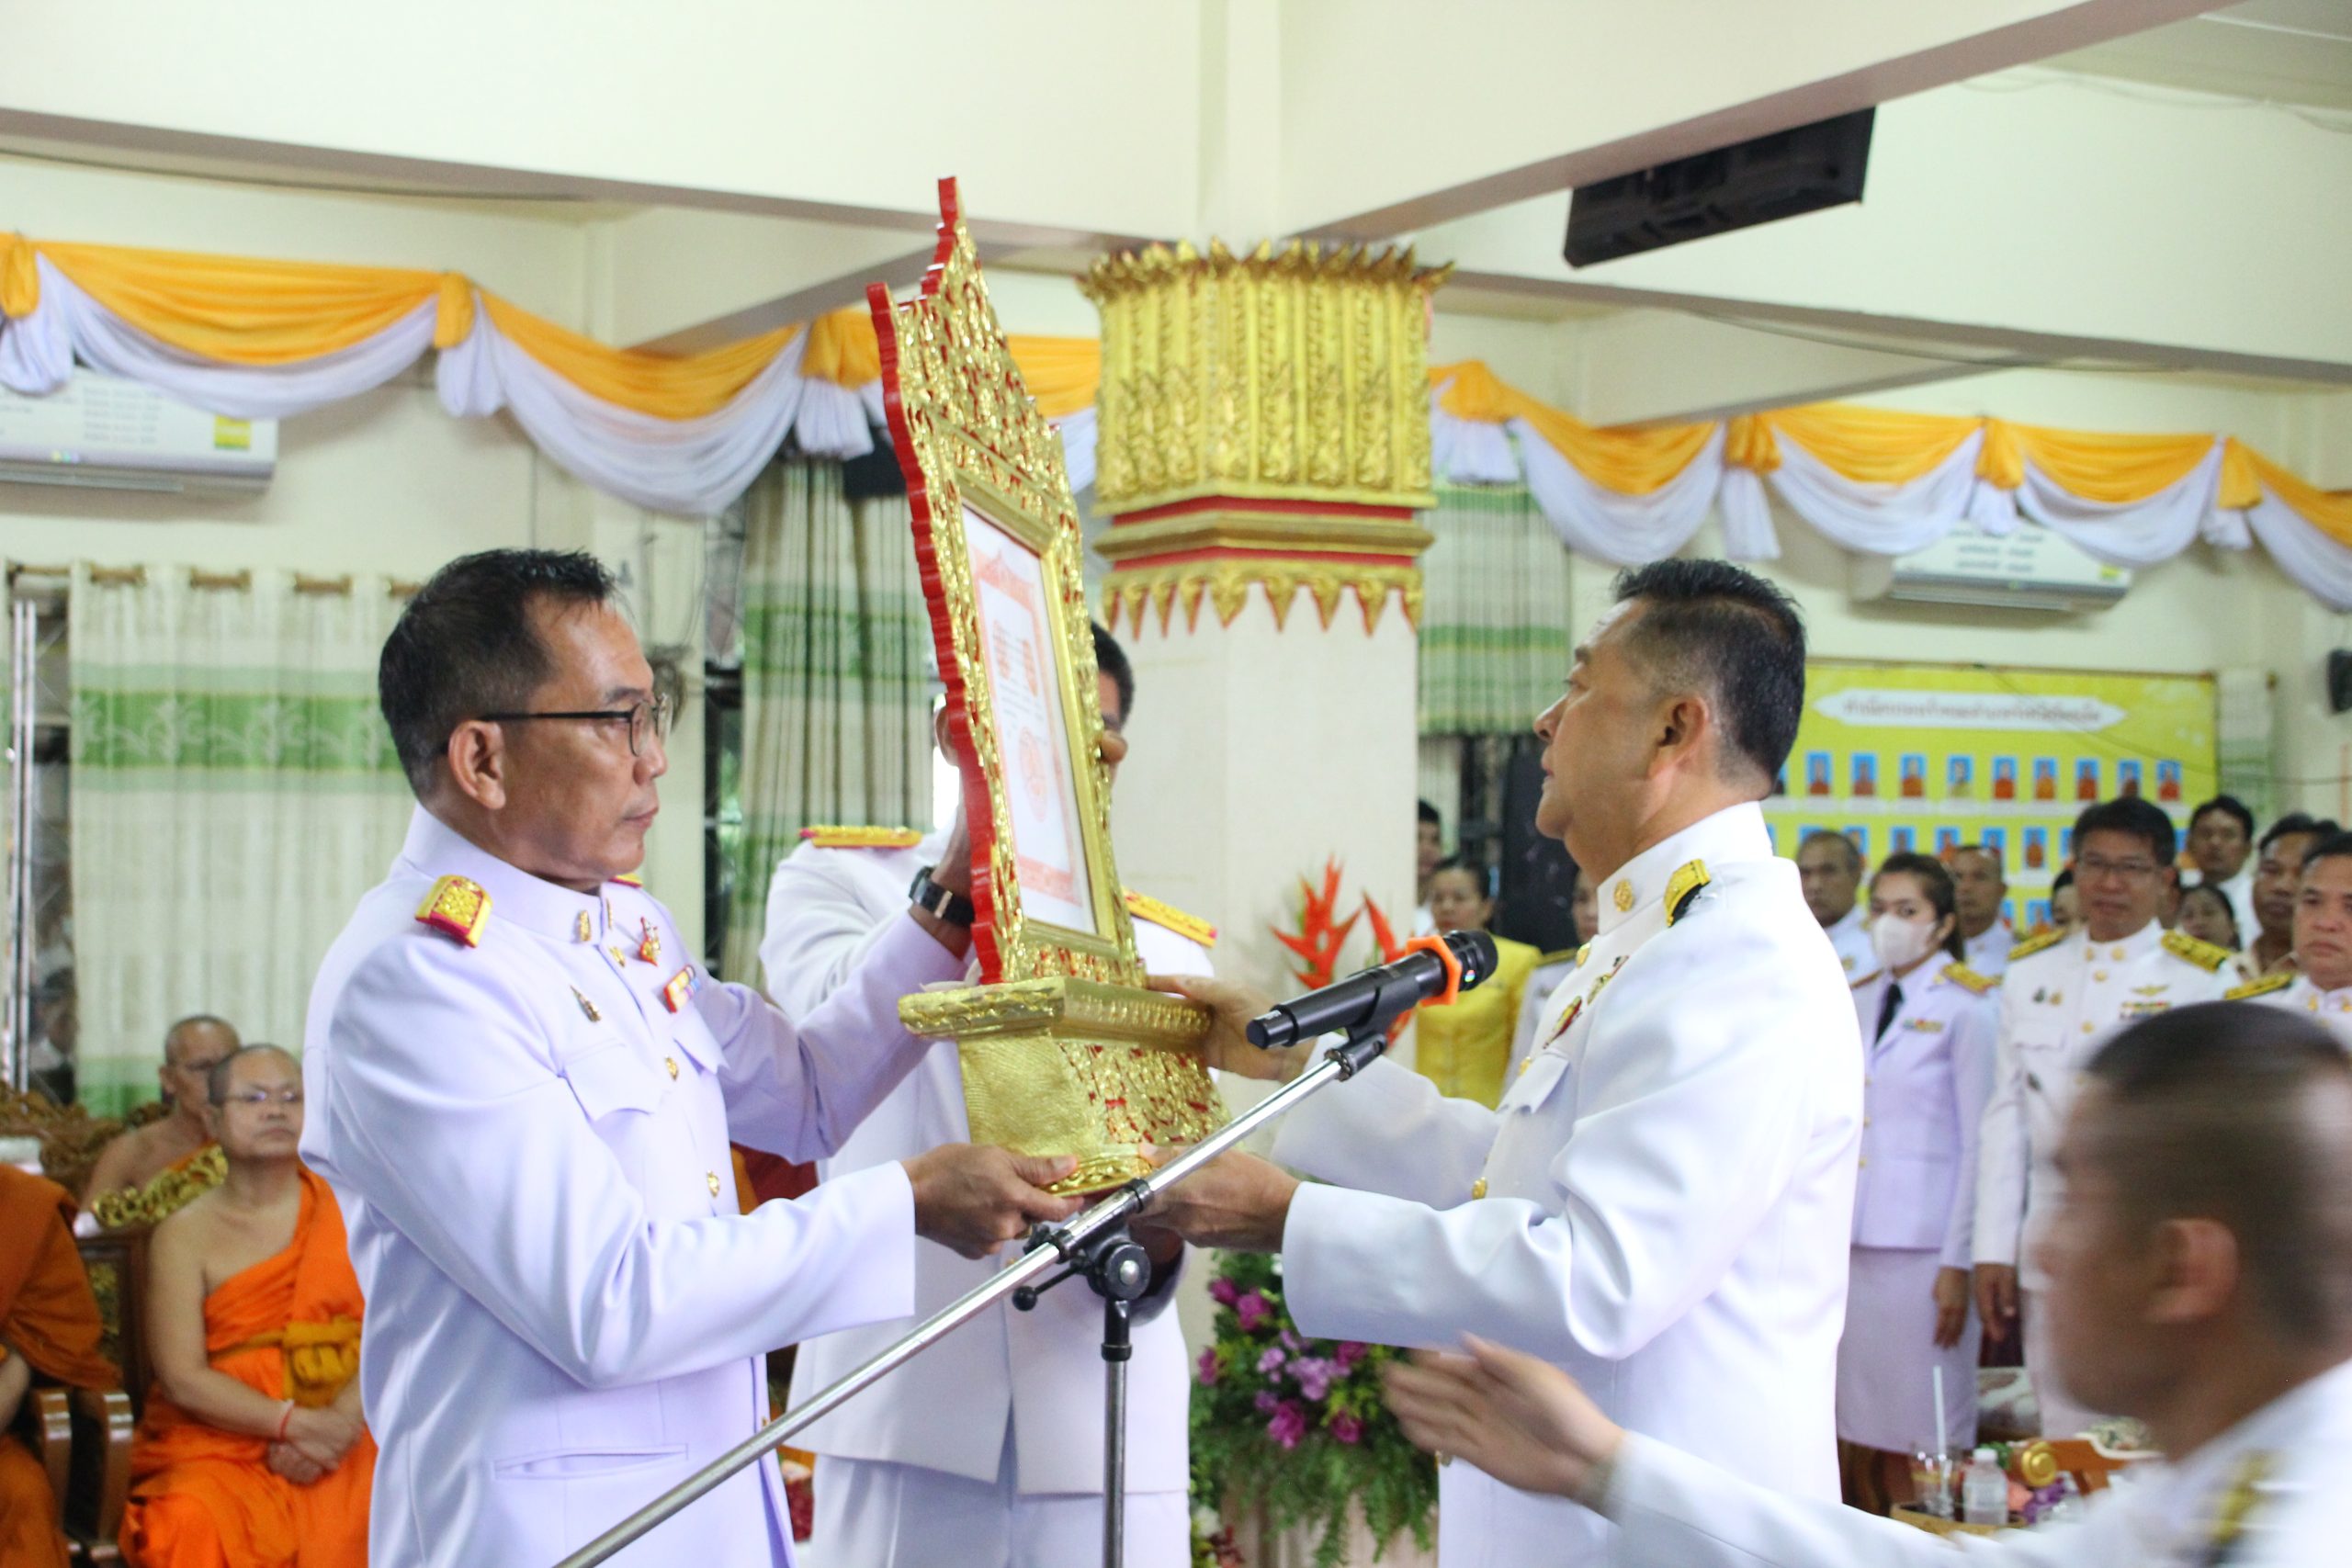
(2087, 1026)
(1864, 1160)
(710, 1180)
(1524, 1065)
(1478, 1188)
(671, 1064)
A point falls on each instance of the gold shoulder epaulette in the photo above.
(1962, 975)
(458, 907)
(831, 836)
(1858, 984)
(2261, 986)
(632, 880)
(2204, 954)
(1682, 886)
(1143, 907)
(2034, 944)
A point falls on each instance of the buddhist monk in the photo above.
(49, 1336)
(192, 1047)
(252, 1453)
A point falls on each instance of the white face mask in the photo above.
(1900, 944)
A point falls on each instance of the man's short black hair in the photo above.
(1429, 815)
(1112, 660)
(2297, 823)
(464, 646)
(2240, 1113)
(1713, 627)
(1855, 865)
(2335, 846)
(2228, 806)
(2135, 815)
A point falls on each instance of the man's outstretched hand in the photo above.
(1521, 1420)
(976, 1197)
(1231, 1007)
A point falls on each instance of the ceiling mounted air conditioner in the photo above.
(102, 432)
(2030, 569)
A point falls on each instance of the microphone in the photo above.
(1359, 999)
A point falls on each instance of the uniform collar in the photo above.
(1735, 833)
(2139, 944)
(436, 850)
(2310, 1416)
(2307, 989)
(1850, 923)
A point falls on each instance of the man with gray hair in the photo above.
(1831, 870)
(192, 1047)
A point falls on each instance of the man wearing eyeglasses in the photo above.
(523, 1088)
(253, 1451)
(2065, 994)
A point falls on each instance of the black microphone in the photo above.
(1359, 999)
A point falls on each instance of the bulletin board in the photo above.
(1930, 757)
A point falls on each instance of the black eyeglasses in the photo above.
(651, 716)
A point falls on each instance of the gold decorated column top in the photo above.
(1299, 373)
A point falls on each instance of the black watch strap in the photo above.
(949, 906)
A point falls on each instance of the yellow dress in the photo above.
(1465, 1047)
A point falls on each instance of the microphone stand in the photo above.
(1091, 1243)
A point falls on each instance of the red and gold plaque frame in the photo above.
(1063, 1050)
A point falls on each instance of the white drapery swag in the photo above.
(693, 467)
(234, 793)
(1879, 519)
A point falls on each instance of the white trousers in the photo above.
(2061, 1416)
(873, 1513)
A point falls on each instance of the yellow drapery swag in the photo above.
(1633, 462)
(261, 313)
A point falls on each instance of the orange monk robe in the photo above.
(49, 1317)
(288, 1327)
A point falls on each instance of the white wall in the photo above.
(387, 482)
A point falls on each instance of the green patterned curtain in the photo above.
(1494, 633)
(233, 793)
(836, 690)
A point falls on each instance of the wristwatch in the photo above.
(948, 905)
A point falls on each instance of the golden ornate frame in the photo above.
(1062, 1050)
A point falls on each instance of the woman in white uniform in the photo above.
(1927, 1024)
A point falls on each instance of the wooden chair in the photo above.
(100, 1482)
(45, 1425)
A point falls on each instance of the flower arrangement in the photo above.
(1296, 1427)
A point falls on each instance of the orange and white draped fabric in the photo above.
(288, 1328)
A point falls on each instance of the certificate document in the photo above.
(1040, 789)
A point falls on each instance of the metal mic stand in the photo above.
(1097, 1233)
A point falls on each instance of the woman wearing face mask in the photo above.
(1928, 1026)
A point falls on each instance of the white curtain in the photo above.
(235, 793)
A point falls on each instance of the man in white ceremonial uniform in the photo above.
(2063, 997)
(1928, 1028)
(1980, 889)
(1662, 1200)
(2322, 983)
(1830, 869)
(522, 1090)
(985, 1451)
(2202, 1270)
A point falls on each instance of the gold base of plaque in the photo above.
(1069, 1066)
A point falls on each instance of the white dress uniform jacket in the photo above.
(1041, 1371)
(2300, 993)
(1850, 939)
(1537, 1003)
(1926, 1079)
(2060, 1001)
(2285, 1463)
(1660, 1204)
(1988, 949)
(530, 1145)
